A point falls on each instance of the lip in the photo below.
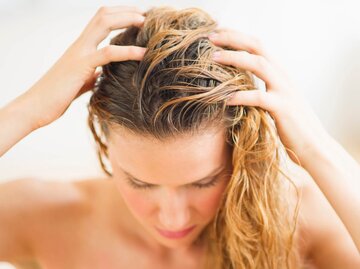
(176, 234)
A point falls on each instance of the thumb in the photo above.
(89, 84)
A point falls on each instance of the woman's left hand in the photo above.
(297, 125)
(335, 172)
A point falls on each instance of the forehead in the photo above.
(182, 159)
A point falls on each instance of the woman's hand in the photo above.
(74, 73)
(298, 127)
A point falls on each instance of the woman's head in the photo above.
(171, 185)
(164, 120)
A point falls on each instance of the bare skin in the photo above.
(94, 229)
(86, 225)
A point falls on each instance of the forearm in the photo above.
(17, 120)
(338, 176)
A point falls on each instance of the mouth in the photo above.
(175, 234)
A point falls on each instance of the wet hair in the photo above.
(177, 89)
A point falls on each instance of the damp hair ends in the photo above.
(177, 89)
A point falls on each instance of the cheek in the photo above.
(206, 203)
(137, 201)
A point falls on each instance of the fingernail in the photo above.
(231, 96)
(216, 55)
(213, 35)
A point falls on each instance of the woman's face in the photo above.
(171, 186)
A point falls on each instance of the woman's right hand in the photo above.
(74, 73)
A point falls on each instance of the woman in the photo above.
(197, 179)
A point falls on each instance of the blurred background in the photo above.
(317, 42)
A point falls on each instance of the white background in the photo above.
(317, 42)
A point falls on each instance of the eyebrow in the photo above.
(214, 173)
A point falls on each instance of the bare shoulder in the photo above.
(39, 195)
(25, 205)
(33, 199)
(91, 188)
(329, 245)
(38, 199)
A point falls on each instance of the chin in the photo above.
(176, 244)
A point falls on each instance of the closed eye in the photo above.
(135, 185)
(208, 184)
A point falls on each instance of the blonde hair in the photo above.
(178, 89)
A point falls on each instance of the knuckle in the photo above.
(102, 21)
(238, 56)
(226, 35)
(261, 62)
(226, 30)
(220, 31)
(107, 51)
(241, 55)
(136, 17)
(261, 98)
(257, 43)
(103, 10)
(132, 50)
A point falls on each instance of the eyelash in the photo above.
(199, 186)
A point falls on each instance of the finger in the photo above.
(114, 53)
(253, 98)
(238, 41)
(226, 37)
(89, 84)
(103, 24)
(119, 8)
(254, 63)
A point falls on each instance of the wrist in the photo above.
(319, 150)
(17, 121)
(25, 110)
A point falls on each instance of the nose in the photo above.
(174, 213)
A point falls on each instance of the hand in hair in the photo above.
(75, 72)
(299, 128)
(334, 170)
